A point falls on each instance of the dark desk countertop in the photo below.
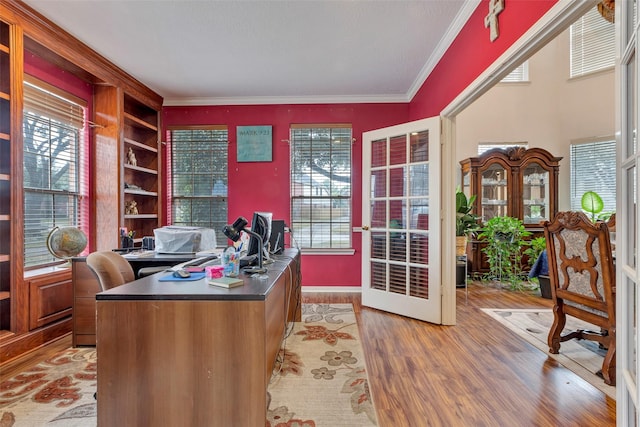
(151, 288)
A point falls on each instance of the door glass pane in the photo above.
(630, 237)
(398, 150)
(378, 183)
(631, 328)
(419, 282)
(419, 212)
(379, 153)
(397, 182)
(535, 194)
(419, 146)
(398, 279)
(397, 246)
(494, 192)
(631, 104)
(379, 245)
(378, 214)
(419, 180)
(378, 275)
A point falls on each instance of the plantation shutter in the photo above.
(520, 74)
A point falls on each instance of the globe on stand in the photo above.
(66, 242)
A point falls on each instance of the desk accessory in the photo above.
(232, 231)
(171, 278)
(226, 282)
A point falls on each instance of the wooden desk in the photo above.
(86, 286)
(190, 354)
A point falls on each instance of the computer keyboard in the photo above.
(194, 262)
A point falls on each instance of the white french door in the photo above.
(401, 220)
(627, 217)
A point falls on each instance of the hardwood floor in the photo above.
(477, 373)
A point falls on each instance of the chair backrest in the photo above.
(111, 268)
(581, 267)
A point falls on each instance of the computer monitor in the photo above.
(261, 225)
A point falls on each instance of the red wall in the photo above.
(472, 52)
(265, 186)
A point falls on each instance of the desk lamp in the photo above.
(232, 231)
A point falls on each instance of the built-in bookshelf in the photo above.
(140, 169)
(5, 178)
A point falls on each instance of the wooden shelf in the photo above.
(5, 217)
(141, 169)
(5, 295)
(5, 177)
(6, 96)
(141, 216)
(140, 145)
(140, 122)
(140, 192)
(5, 136)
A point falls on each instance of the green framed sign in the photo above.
(254, 143)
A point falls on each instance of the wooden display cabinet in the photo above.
(512, 182)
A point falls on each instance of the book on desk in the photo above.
(226, 282)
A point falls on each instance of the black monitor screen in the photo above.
(261, 225)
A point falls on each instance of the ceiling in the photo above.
(215, 52)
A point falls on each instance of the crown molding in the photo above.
(285, 100)
(445, 42)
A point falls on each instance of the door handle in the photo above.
(365, 227)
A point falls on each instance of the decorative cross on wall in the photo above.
(491, 20)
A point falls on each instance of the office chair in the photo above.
(111, 268)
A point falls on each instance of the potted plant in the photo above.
(593, 205)
(466, 222)
(505, 237)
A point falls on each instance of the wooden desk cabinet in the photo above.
(190, 354)
(85, 288)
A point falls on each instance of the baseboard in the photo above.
(336, 289)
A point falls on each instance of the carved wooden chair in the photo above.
(582, 276)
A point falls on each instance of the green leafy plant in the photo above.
(534, 249)
(505, 239)
(592, 204)
(466, 222)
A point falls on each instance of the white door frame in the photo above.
(554, 22)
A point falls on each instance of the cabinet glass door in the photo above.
(493, 200)
(535, 194)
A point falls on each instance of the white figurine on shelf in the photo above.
(131, 158)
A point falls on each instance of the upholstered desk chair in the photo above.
(111, 268)
(582, 276)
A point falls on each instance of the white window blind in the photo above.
(198, 178)
(321, 186)
(593, 168)
(519, 74)
(55, 164)
(592, 44)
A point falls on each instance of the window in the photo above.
(519, 74)
(55, 167)
(593, 168)
(197, 165)
(321, 186)
(592, 44)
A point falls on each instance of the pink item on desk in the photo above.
(214, 271)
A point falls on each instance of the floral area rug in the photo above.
(319, 380)
(583, 357)
(320, 377)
